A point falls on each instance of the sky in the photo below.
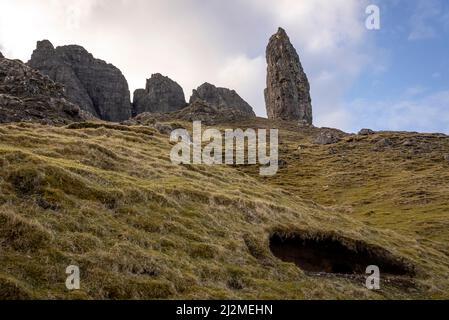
(393, 78)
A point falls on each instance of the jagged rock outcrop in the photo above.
(287, 95)
(161, 94)
(26, 95)
(94, 85)
(221, 98)
(197, 111)
(1, 55)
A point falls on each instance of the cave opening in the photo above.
(328, 254)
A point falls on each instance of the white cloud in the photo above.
(415, 91)
(423, 20)
(245, 74)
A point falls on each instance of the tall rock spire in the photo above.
(287, 96)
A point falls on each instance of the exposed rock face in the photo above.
(197, 111)
(161, 94)
(287, 95)
(94, 85)
(221, 98)
(1, 55)
(28, 96)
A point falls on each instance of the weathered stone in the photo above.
(327, 137)
(366, 132)
(94, 85)
(386, 142)
(161, 94)
(163, 128)
(1, 55)
(408, 142)
(28, 96)
(221, 98)
(287, 96)
(446, 157)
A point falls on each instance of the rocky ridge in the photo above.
(28, 96)
(196, 111)
(96, 86)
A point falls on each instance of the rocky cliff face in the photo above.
(94, 85)
(196, 111)
(161, 94)
(221, 98)
(28, 96)
(287, 95)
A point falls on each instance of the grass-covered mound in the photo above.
(108, 199)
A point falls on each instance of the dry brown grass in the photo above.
(108, 199)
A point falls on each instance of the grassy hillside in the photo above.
(107, 198)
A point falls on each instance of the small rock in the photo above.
(366, 132)
(326, 137)
(408, 143)
(163, 128)
(384, 143)
(446, 157)
(282, 164)
(304, 124)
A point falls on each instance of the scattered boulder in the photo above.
(382, 144)
(161, 94)
(94, 85)
(26, 95)
(366, 132)
(327, 137)
(287, 96)
(282, 164)
(446, 157)
(385, 142)
(221, 98)
(408, 143)
(163, 128)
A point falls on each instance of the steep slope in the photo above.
(107, 198)
(391, 180)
